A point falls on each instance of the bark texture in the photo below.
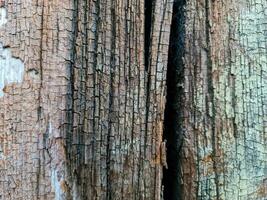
(82, 99)
(85, 122)
(224, 120)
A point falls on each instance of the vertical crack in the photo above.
(39, 109)
(149, 4)
(148, 28)
(69, 129)
(173, 130)
(111, 101)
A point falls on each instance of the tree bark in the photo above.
(82, 99)
(86, 120)
(218, 140)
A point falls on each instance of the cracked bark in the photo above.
(220, 110)
(86, 120)
(81, 124)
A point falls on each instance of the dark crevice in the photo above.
(173, 130)
(69, 125)
(111, 113)
(71, 66)
(149, 5)
(148, 28)
(41, 45)
(39, 109)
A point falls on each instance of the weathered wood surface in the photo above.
(85, 122)
(224, 101)
(82, 95)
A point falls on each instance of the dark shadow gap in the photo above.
(148, 28)
(173, 123)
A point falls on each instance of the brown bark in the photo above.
(86, 121)
(82, 99)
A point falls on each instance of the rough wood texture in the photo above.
(224, 153)
(86, 120)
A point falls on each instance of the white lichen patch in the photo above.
(3, 16)
(11, 69)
